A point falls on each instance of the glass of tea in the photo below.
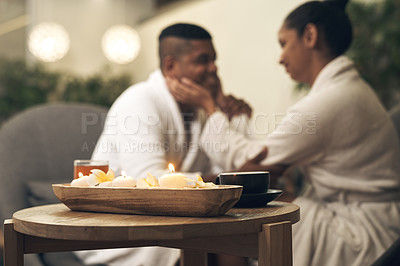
(84, 166)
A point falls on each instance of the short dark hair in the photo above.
(330, 17)
(175, 40)
(185, 31)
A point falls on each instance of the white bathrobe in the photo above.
(345, 143)
(143, 132)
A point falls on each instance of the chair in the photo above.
(391, 256)
(37, 148)
(395, 116)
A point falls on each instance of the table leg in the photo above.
(275, 245)
(190, 257)
(13, 245)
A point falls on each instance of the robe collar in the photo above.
(334, 68)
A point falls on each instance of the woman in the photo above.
(339, 135)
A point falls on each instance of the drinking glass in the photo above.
(84, 166)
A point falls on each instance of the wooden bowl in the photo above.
(150, 201)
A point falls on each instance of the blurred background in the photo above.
(92, 50)
(84, 67)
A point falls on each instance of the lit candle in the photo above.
(124, 181)
(173, 180)
(81, 181)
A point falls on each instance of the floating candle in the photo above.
(124, 181)
(81, 181)
(173, 180)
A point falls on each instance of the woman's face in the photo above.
(295, 56)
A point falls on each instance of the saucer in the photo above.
(257, 199)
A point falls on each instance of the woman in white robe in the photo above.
(339, 135)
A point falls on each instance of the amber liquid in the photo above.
(85, 169)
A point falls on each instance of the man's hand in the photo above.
(191, 93)
(188, 92)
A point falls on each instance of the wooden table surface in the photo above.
(242, 232)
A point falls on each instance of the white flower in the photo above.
(80, 182)
(98, 176)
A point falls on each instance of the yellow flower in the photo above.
(148, 182)
(98, 176)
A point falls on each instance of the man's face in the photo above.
(294, 55)
(199, 65)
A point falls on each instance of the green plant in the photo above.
(376, 47)
(100, 88)
(23, 85)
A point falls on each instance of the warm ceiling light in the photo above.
(121, 44)
(49, 42)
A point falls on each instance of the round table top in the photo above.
(59, 222)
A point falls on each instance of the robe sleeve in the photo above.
(295, 141)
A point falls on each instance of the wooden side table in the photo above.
(1, 246)
(263, 233)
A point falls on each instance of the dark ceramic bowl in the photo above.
(252, 182)
(257, 200)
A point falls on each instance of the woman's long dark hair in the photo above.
(329, 17)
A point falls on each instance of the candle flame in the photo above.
(80, 175)
(123, 173)
(171, 168)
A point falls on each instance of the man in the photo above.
(146, 128)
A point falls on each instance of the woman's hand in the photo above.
(232, 106)
(188, 92)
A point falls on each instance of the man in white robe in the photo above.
(146, 129)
